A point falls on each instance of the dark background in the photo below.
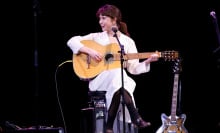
(34, 45)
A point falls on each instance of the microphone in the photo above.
(212, 13)
(114, 29)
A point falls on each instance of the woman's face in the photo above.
(106, 23)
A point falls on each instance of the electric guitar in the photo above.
(173, 123)
(86, 68)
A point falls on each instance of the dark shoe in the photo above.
(140, 123)
(109, 131)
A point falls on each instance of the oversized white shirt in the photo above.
(110, 80)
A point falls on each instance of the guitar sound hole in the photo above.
(108, 57)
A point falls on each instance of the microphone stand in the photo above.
(36, 11)
(216, 52)
(122, 53)
(215, 21)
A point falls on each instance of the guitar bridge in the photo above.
(88, 61)
(171, 131)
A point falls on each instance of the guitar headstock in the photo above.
(177, 67)
(170, 55)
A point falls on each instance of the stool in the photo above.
(96, 98)
(97, 111)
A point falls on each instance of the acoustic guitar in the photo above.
(174, 123)
(87, 68)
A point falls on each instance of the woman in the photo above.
(110, 20)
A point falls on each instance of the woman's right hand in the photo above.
(93, 53)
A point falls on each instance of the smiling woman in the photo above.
(115, 82)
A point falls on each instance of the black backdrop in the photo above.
(28, 92)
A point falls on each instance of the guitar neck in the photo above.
(136, 55)
(174, 97)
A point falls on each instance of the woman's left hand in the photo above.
(152, 58)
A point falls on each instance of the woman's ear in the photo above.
(114, 21)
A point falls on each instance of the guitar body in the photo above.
(85, 67)
(169, 126)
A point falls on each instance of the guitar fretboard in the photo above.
(174, 97)
(136, 55)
